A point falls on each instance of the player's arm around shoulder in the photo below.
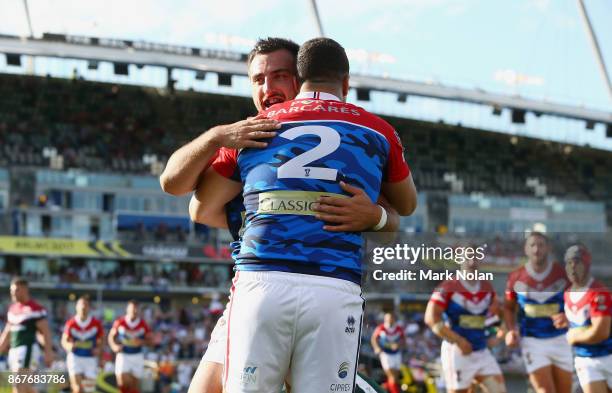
(186, 164)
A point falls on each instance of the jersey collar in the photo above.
(317, 95)
(539, 276)
(82, 324)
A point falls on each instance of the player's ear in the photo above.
(345, 87)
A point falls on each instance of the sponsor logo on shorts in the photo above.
(249, 375)
(350, 325)
(340, 387)
(343, 369)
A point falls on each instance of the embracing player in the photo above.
(465, 356)
(588, 306)
(286, 246)
(272, 73)
(126, 338)
(536, 291)
(82, 341)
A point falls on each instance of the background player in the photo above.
(82, 341)
(536, 291)
(465, 356)
(388, 340)
(588, 306)
(126, 338)
(26, 319)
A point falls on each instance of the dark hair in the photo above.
(19, 281)
(322, 60)
(272, 44)
(84, 298)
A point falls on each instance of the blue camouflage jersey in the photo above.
(322, 141)
(539, 297)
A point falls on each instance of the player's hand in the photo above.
(465, 346)
(245, 133)
(354, 214)
(559, 320)
(116, 348)
(512, 338)
(49, 357)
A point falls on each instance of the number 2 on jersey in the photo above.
(296, 167)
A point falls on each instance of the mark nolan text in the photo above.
(421, 275)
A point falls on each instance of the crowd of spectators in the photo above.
(104, 127)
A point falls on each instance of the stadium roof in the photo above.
(233, 63)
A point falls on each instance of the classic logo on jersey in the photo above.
(343, 369)
(472, 321)
(290, 202)
(541, 310)
(350, 322)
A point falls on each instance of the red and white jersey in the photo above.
(22, 319)
(539, 296)
(388, 337)
(466, 306)
(581, 306)
(84, 334)
(129, 332)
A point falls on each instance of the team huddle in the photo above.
(297, 185)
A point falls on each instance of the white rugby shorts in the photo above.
(275, 319)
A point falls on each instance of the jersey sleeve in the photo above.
(440, 296)
(397, 168)
(226, 163)
(212, 160)
(67, 328)
(116, 324)
(510, 294)
(601, 304)
(377, 331)
(100, 329)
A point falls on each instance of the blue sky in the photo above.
(486, 44)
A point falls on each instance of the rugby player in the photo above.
(269, 63)
(388, 340)
(466, 359)
(536, 291)
(126, 338)
(82, 341)
(588, 306)
(26, 319)
(297, 256)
